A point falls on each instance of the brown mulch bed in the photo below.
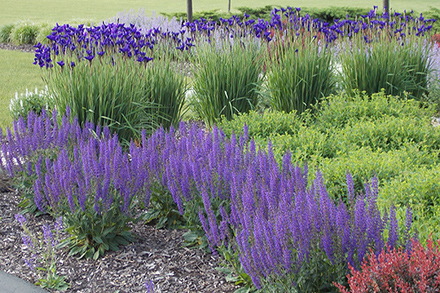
(157, 255)
(24, 48)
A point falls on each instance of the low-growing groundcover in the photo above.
(379, 135)
(237, 199)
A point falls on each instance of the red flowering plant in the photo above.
(415, 269)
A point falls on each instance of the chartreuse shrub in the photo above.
(420, 188)
(377, 135)
(398, 270)
(262, 124)
(338, 111)
(226, 77)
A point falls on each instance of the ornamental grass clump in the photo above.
(299, 75)
(226, 76)
(397, 66)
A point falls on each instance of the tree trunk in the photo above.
(386, 6)
(189, 10)
(229, 6)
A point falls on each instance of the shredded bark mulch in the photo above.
(157, 255)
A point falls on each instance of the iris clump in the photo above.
(104, 75)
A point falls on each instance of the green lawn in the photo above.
(16, 74)
(67, 10)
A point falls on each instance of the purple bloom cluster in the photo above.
(278, 220)
(36, 138)
(99, 173)
(117, 40)
(87, 43)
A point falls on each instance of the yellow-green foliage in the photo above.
(383, 136)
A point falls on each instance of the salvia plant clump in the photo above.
(238, 196)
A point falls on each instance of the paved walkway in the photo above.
(13, 284)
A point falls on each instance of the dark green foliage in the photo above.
(92, 234)
(434, 13)
(163, 211)
(326, 14)
(256, 13)
(213, 15)
(334, 13)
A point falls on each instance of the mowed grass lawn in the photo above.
(67, 10)
(16, 74)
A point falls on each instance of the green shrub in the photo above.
(22, 104)
(213, 15)
(396, 66)
(338, 111)
(420, 188)
(262, 125)
(24, 33)
(364, 163)
(225, 80)
(307, 145)
(435, 14)
(299, 76)
(256, 13)
(390, 133)
(5, 33)
(333, 13)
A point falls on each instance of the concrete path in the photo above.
(13, 284)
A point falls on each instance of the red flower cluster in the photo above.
(397, 270)
(436, 38)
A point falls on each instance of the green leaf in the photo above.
(97, 239)
(96, 255)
